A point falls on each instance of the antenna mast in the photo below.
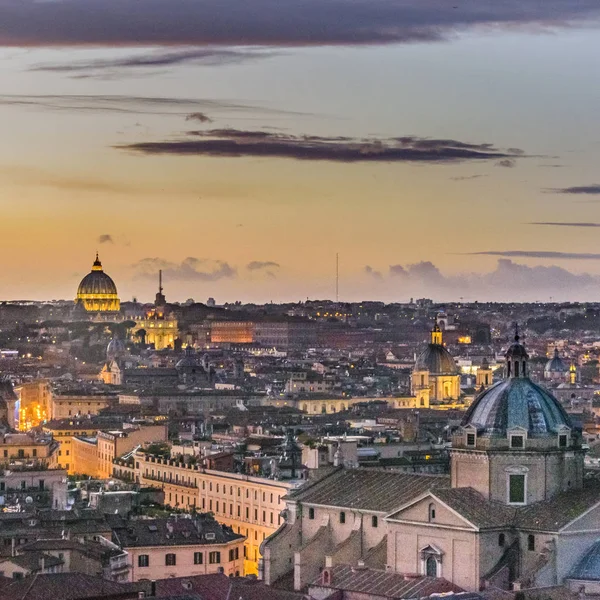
(337, 277)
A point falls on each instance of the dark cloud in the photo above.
(189, 269)
(105, 238)
(509, 281)
(594, 188)
(257, 265)
(236, 143)
(161, 58)
(507, 163)
(114, 23)
(539, 254)
(371, 272)
(560, 224)
(199, 116)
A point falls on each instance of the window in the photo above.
(531, 542)
(501, 540)
(143, 560)
(41, 484)
(342, 517)
(374, 521)
(34, 451)
(170, 560)
(431, 567)
(516, 489)
(517, 441)
(470, 439)
(231, 555)
(431, 512)
(21, 453)
(311, 513)
(197, 558)
(214, 558)
(562, 440)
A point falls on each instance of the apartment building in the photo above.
(28, 449)
(251, 506)
(178, 547)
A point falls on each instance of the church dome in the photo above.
(189, 360)
(435, 358)
(556, 365)
(97, 292)
(516, 402)
(115, 349)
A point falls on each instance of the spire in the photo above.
(160, 300)
(97, 266)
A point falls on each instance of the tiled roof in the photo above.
(32, 561)
(475, 508)
(553, 515)
(174, 532)
(66, 586)
(368, 489)
(383, 583)
(220, 587)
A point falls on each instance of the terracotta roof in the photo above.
(67, 586)
(32, 561)
(368, 489)
(174, 532)
(383, 583)
(475, 508)
(553, 515)
(220, 587)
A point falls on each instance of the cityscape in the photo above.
(300, 300)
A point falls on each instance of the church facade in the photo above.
(516, 512)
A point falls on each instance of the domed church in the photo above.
(97, 292)
(435, 377)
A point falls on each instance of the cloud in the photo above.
(160, 58)
(189, 269)
(105, 238)
(467, 177)
(257, 265)
(507, 163)
(149, 105)
(373, 273)
(509, 281)
(577, 189)
(539, 254)
(199, 116)
(114, 23)
(239, 143)
(560, 224)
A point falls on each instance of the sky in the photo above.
(444, 149)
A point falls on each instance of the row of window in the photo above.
(517, 440)
(21, 453)
(342, 517)
(214, 558)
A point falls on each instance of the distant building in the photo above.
(97, 292)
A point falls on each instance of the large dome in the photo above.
(516, 402)
(437, 360)
(97, 291)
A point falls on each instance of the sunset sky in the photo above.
(444, 149)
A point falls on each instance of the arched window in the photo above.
(432, 512)
(431, 567)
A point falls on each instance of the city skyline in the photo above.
(447, 152)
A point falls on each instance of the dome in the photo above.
(189, 360)
(556, 364)
(97, 292)
(516, 402)
(115, 349)
(437, 360)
